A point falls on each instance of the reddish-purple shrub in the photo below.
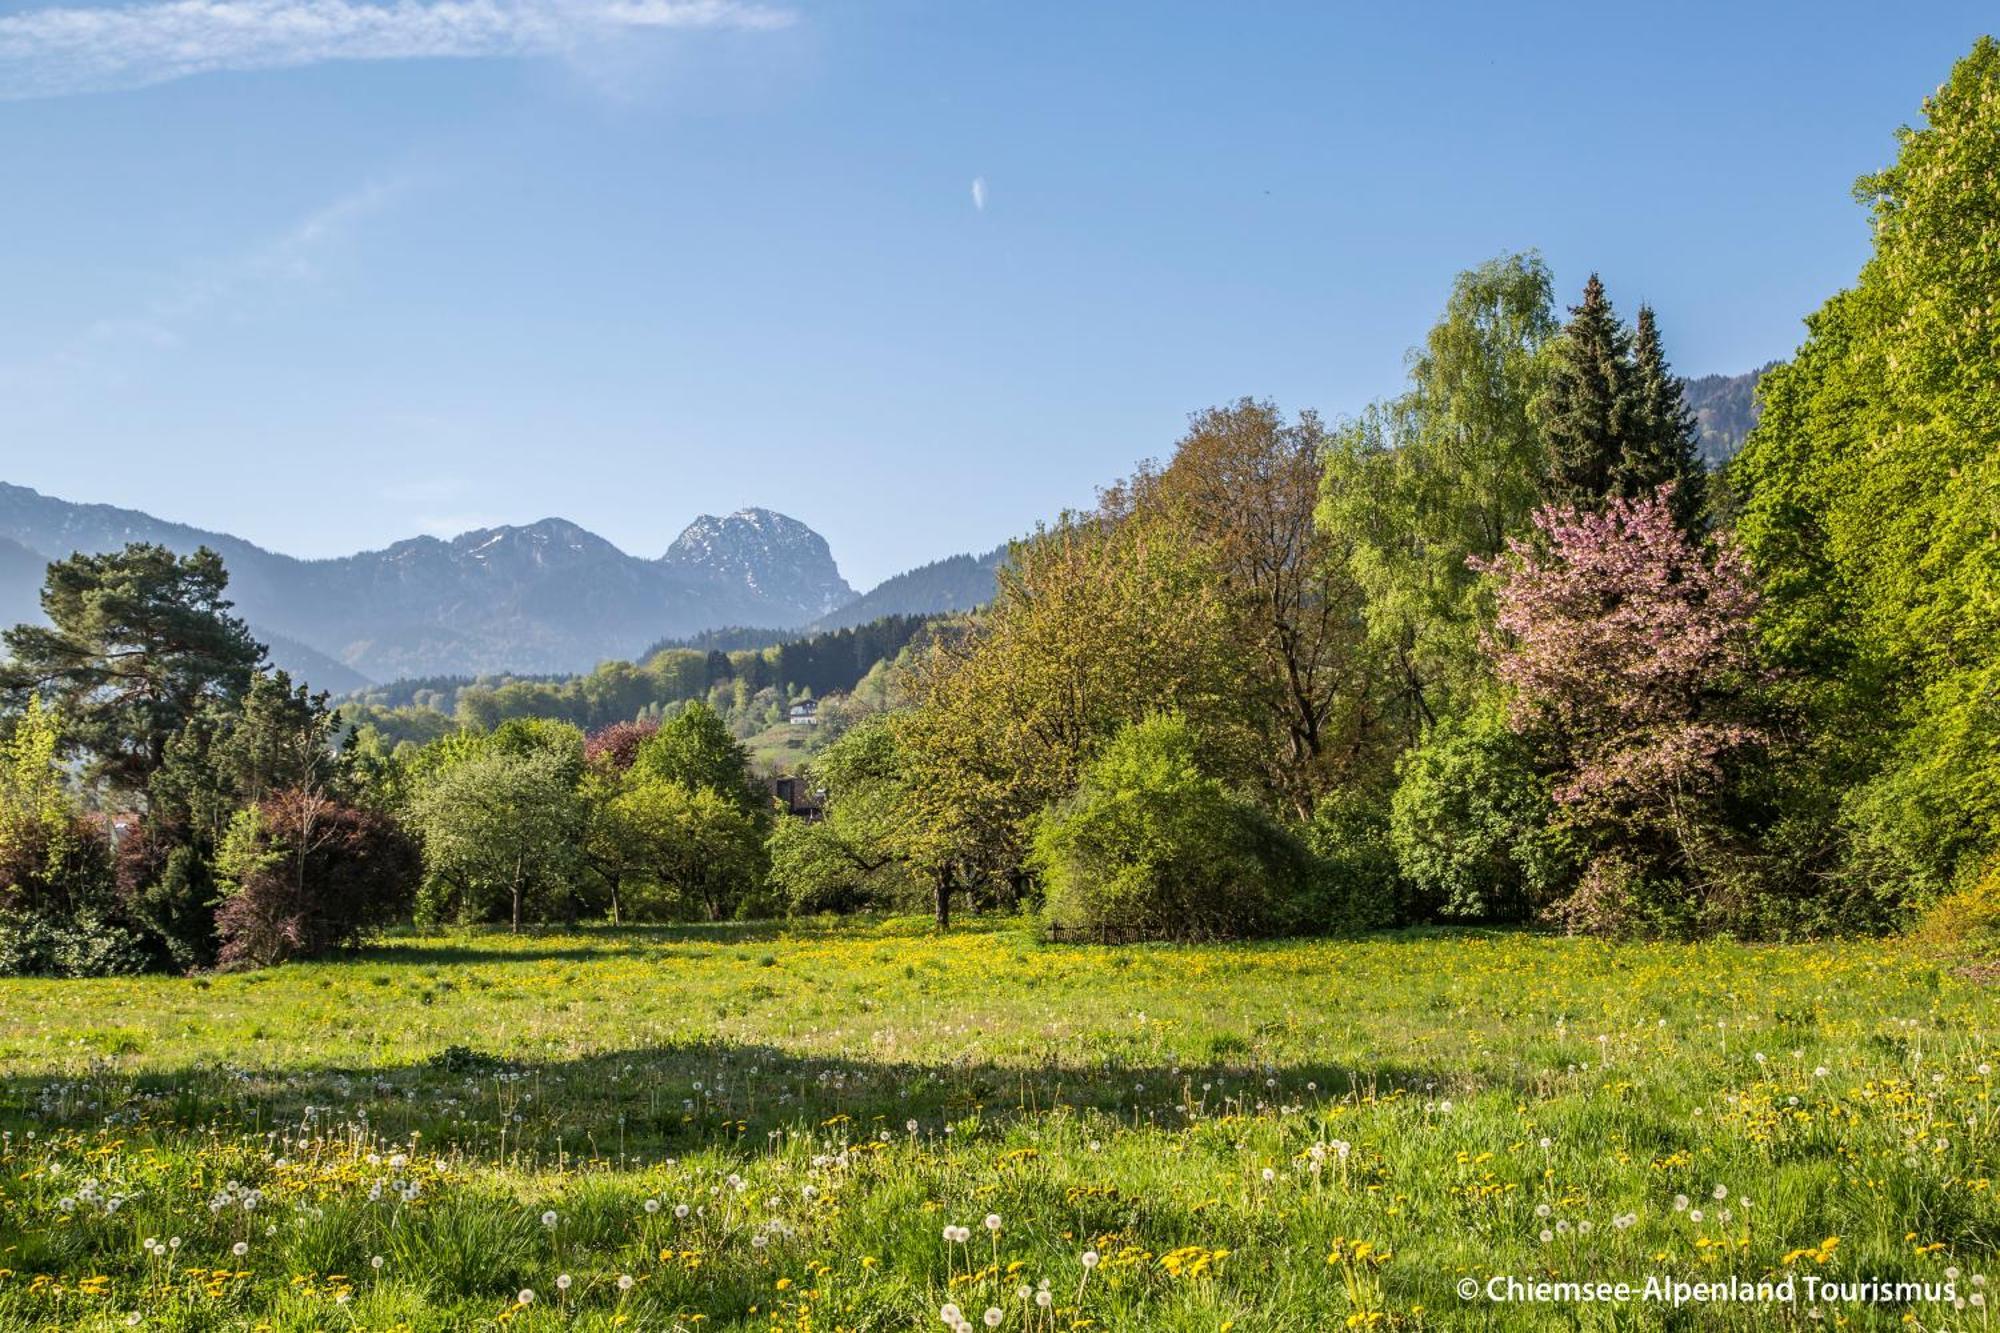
(309, 875)
(613, 748)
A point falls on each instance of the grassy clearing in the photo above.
(1298, 1135)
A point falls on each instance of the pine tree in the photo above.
(1660, 446)
(1584, 409)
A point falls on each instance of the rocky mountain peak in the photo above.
(770, 556)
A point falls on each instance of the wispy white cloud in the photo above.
(217, 291)
(979, 193)
(293, 256)
(52, 52)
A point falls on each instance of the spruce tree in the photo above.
(1660, 443)
(1584, 409)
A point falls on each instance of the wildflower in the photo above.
(993, 1222)
(624, 1282)
(652, 1205)
(1721, 1193)
(949, 1314)
(549, 1218)
(562, 1282)
(376, 1263)
(1680, 1203)
(993, 1316)
(1090, 1258)
(526, 1296)
(240, 1248)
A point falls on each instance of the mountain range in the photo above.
(544, 597)
(552, 597)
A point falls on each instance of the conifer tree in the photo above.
(1660, 444)
(1585, 407)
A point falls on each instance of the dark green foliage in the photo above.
(1662, 442)
(1586, 406)
(170, 892)
(139, 641)
(1353, 882)
(1614, 415)
(666, 677)
(1472, 825)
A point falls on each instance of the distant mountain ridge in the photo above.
(955, 583)
(544, 597)
(1725, 408)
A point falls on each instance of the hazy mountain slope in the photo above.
(1726, 408)
(20, 582)
(956, 583)
(545, 597)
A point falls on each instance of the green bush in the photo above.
(1152, 845)
(1354, 883)
(1473, 827)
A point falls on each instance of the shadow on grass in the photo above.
(676, 1097)
(586, 942)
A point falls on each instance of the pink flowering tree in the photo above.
(1629, 655)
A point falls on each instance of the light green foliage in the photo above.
(1444, 473)
(696, 749)
(1871, 509)
(699, 846)
(500, 831)
(1125, 1101)
(1151, 844)
(855, 855)
(36, 808)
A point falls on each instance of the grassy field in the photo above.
(853, 1127)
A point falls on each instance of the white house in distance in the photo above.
(804, 713)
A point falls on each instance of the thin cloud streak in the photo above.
(217, 291)
(62, 51)
(979, 193)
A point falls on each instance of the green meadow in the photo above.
(859, 1126)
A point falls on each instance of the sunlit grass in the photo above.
(1295, 1135)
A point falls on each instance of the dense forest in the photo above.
(1500, 648)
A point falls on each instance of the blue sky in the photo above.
(324, 273)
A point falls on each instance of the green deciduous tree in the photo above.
(698, 844)
(500, 831)
(1444, 473)
(1871, 509)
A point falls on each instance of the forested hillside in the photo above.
(1725, 409)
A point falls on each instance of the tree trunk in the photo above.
(944, 898)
